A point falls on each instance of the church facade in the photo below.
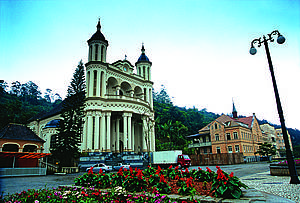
(119, 108)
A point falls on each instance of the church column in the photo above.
(144, 128)
(118, 90)
(108, 118)
(102, 132)
(97, 133)
(103, 84)
(113, 136)
(118, 136)
(98, 87)
(129, 131)
(89, 131)
(84, 135)
(125, 131)
(132, 136)
(152, 137)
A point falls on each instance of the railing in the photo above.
(10, 172)
(200, 144)
(123, 97)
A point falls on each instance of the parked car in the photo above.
(97, 167)
(120, 165)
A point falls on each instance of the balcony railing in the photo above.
(126, 98)
(201, 144)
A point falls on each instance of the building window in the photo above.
(102, 53)
(216, 126)
(205, 150)
(229, 149)
(228, 136)
(96, 52)
(218, 150)
(217, 137)
(95, 83)
(235, 135)
(237, 148)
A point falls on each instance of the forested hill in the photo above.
(20, 102)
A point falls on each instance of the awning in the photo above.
(23, 155)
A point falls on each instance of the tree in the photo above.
(67, 141)
(266, 149)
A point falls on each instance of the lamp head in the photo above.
(280, 39)
(253, 51)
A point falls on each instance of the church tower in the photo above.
(97, 46)
(119, 107)
(234, 111)
(143, 65)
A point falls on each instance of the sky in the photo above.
(199, 49)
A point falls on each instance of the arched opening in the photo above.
(95, 83)
(126, 88)
(112, 86)
(10, 148)
(138, 92)
(30, 148)
(96, 52)
(102, 53)
(88, 82)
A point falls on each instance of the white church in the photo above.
(119, 107)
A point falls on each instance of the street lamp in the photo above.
(289, 155)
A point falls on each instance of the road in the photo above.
(240, 170)
(18, 184)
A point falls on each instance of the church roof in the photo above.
(56, 110)
(52, 124)
(143, 57)
(19, 132)
(98, 35)
(230, 122)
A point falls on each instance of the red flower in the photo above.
(90, 170)
(131, 169)
(120, 172)
(200, 169)
(231, 175)
(100, 171)
(208, 169)
(176, 168)
(140, 174)
(186, 170)
(189, 182)
(176, 177)
(162, 178)
(171, 167)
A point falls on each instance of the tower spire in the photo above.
(234, 112)
(98, 25)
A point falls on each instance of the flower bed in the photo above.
(139, 186)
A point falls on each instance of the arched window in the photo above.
(30, 148)
(91, 53)
(10, 148)
(96, 52)
(95, 83)
(88, 80)
(102, 53)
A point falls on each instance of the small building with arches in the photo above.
(20, 148)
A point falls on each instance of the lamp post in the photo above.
(289, 155)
